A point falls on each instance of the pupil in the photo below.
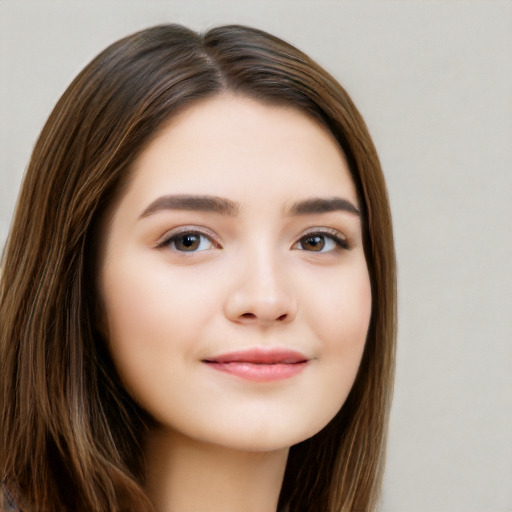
(189, 242)
(315, 243)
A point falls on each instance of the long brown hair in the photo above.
(70, 436)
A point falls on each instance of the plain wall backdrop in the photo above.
(433, 80)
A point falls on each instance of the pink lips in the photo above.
(261, 365)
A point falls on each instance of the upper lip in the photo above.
(260, 355)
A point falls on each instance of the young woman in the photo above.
(198, 290)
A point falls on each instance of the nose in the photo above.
(261, 293)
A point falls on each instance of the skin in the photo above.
(259, 275)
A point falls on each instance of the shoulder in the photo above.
(7, 500)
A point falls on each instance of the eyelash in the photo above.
(182, 233)
(333, 235)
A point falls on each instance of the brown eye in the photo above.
(321, 242)
(313, 243)
(189, 241)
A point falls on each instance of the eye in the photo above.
(321, 242)
(188, 241)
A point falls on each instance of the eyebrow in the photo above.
(323, 205)
(203, 203)
(223, 206)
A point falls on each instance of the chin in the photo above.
(264, 436)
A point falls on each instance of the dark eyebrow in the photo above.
(203, 203)
(322, 205)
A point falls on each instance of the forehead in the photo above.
(236, 147)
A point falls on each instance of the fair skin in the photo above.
(237, 320)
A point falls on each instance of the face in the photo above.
(236, 291)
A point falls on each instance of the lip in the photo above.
(260, 364)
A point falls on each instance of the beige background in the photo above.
(434, 82)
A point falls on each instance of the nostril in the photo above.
(248, 316)
(282, 317)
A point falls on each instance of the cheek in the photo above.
(341, 309)
(341, 318)
(154, 318)
(353, 319)
(143, 298)
(132, 320)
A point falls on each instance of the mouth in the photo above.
(260, 365)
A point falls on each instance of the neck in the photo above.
(185, 475)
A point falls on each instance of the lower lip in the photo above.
(259, 372)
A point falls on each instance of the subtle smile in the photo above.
(259, 364)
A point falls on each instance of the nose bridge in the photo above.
(261, 291)
(268, 276)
